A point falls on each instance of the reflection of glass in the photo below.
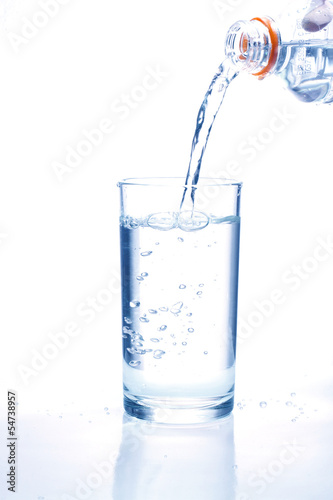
(175, 463)
(179, 298)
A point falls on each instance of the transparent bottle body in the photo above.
(305, 60)
(304, 47)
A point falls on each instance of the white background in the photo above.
(59, 232)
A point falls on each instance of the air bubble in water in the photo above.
(201, 285)
(154, 339)
(134, 363)
(131, 350)
(152, 311)
(134, 303)
(181, 240)
(293, 394)
(134, 223)
(182, 287)
(158, 353)
(289, 403)
(128, 320)
(145, 254)
(205, 352)
(139, 278)
(184, 343)
(199, 293)
(163, 328)
(293, 420)
(192, 220)
(144, 275)
(106, 408)
(163, 221)
(163, 309)
(190, 330)
(263, 404)
(175, 309)
(189, 314)
(143, 319)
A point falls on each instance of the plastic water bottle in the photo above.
(298, 47)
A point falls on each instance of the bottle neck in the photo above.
(253, 46)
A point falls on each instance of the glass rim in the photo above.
(177, 182)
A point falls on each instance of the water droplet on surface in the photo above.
(134, 303)
(190, 330)
(163, 221)
(145, 254)
(289, 403)
(182, 287)
(143, 319)
(158, 354)
(134, 363)
(263, 404)
(152, 311)
(192, 221)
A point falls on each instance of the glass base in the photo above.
(177, 411)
